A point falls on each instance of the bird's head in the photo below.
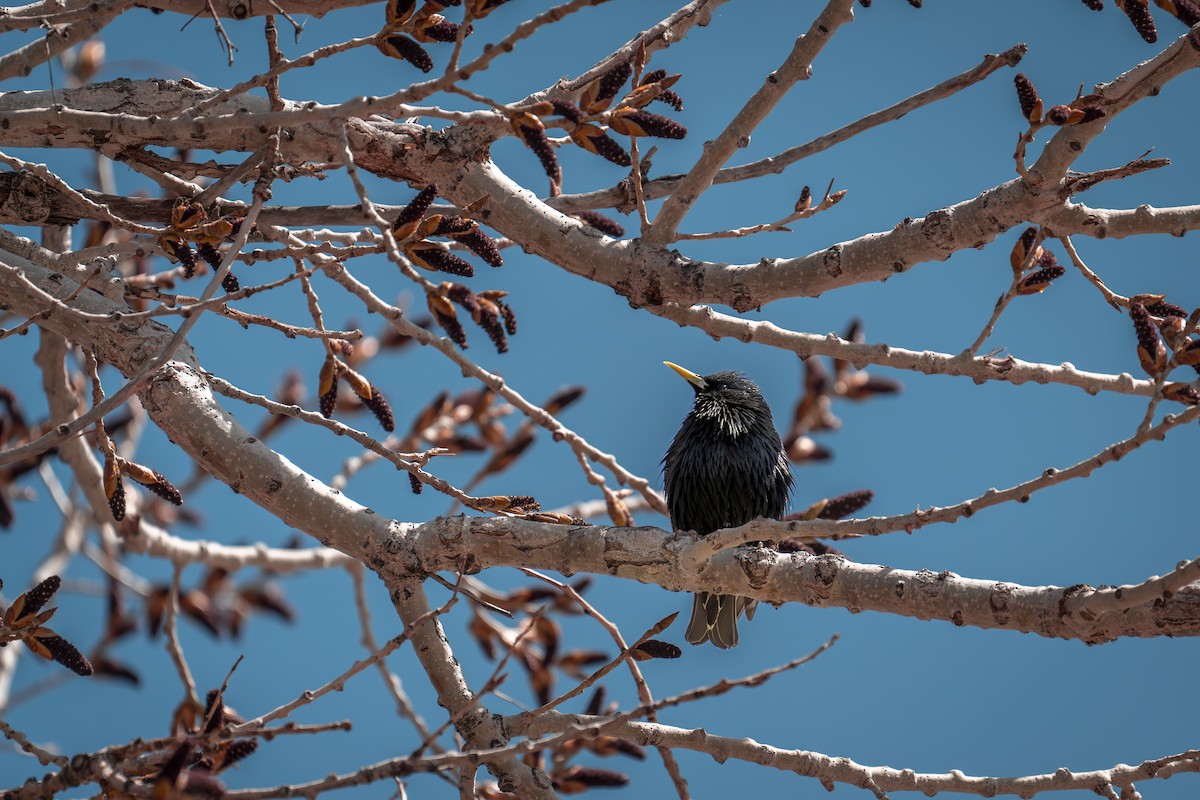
(729, 399)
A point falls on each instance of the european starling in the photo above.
(725, 467)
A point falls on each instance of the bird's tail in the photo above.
(715, 616)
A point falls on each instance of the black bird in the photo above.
(725, 467)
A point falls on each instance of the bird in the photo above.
(725, 467)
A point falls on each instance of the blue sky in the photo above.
(902, 692)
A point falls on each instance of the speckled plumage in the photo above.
(725, 467)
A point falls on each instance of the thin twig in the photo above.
(174, 648)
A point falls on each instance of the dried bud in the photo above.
(509, 317)
(1094, 5)
(398, 12)
(64, 653)
(563, 398)
(595, 706)
(186, 214)
(1067, 115)
(182, 252)
(844, 505)
(1138, 12)
(230, 283)
(1059, 115)
(199, 607)
(1152, 354)
(593, 139)
(1186, 11)
(864, 385)
(1182, 393)
(613, 745)
(357, 383)
(439, 407)
(214, 232)
(481, 8)
(653, 648)
(199, 784)
(18, 615)
(411, 215)
(378, 405)
(816, 382)
(650, 90)
(493, 503)
(1040, 281)
(653, 76)
(598, 94)
(807, 515)
(555, 518)
(238, 749)
(533, 133)
(436, 28)
(443, 313)
(805, 201)
(1020, 251)
(91, 58)
(487, 315)
(1161, 308)
(327, 386)
(37, 597)
(1189, 355)
(406, 49)
(210, 254)
(644, 123)
(517, 504)
(110, 668)
(567, 110)
(670, 98)
(480, 244)
(414, 483)
(460, 294)
(575, 779)
(114, 488)
(154, 481)
(1031, 104)
(214, 711)
(442, 225)
(600, 222)
(618, 512)
(436, 257)
(1172, 330)
(805, 448)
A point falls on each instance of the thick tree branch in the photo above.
(1119, 223)
(861, 354)
(474, 722)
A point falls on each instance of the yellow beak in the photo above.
(688, 375)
